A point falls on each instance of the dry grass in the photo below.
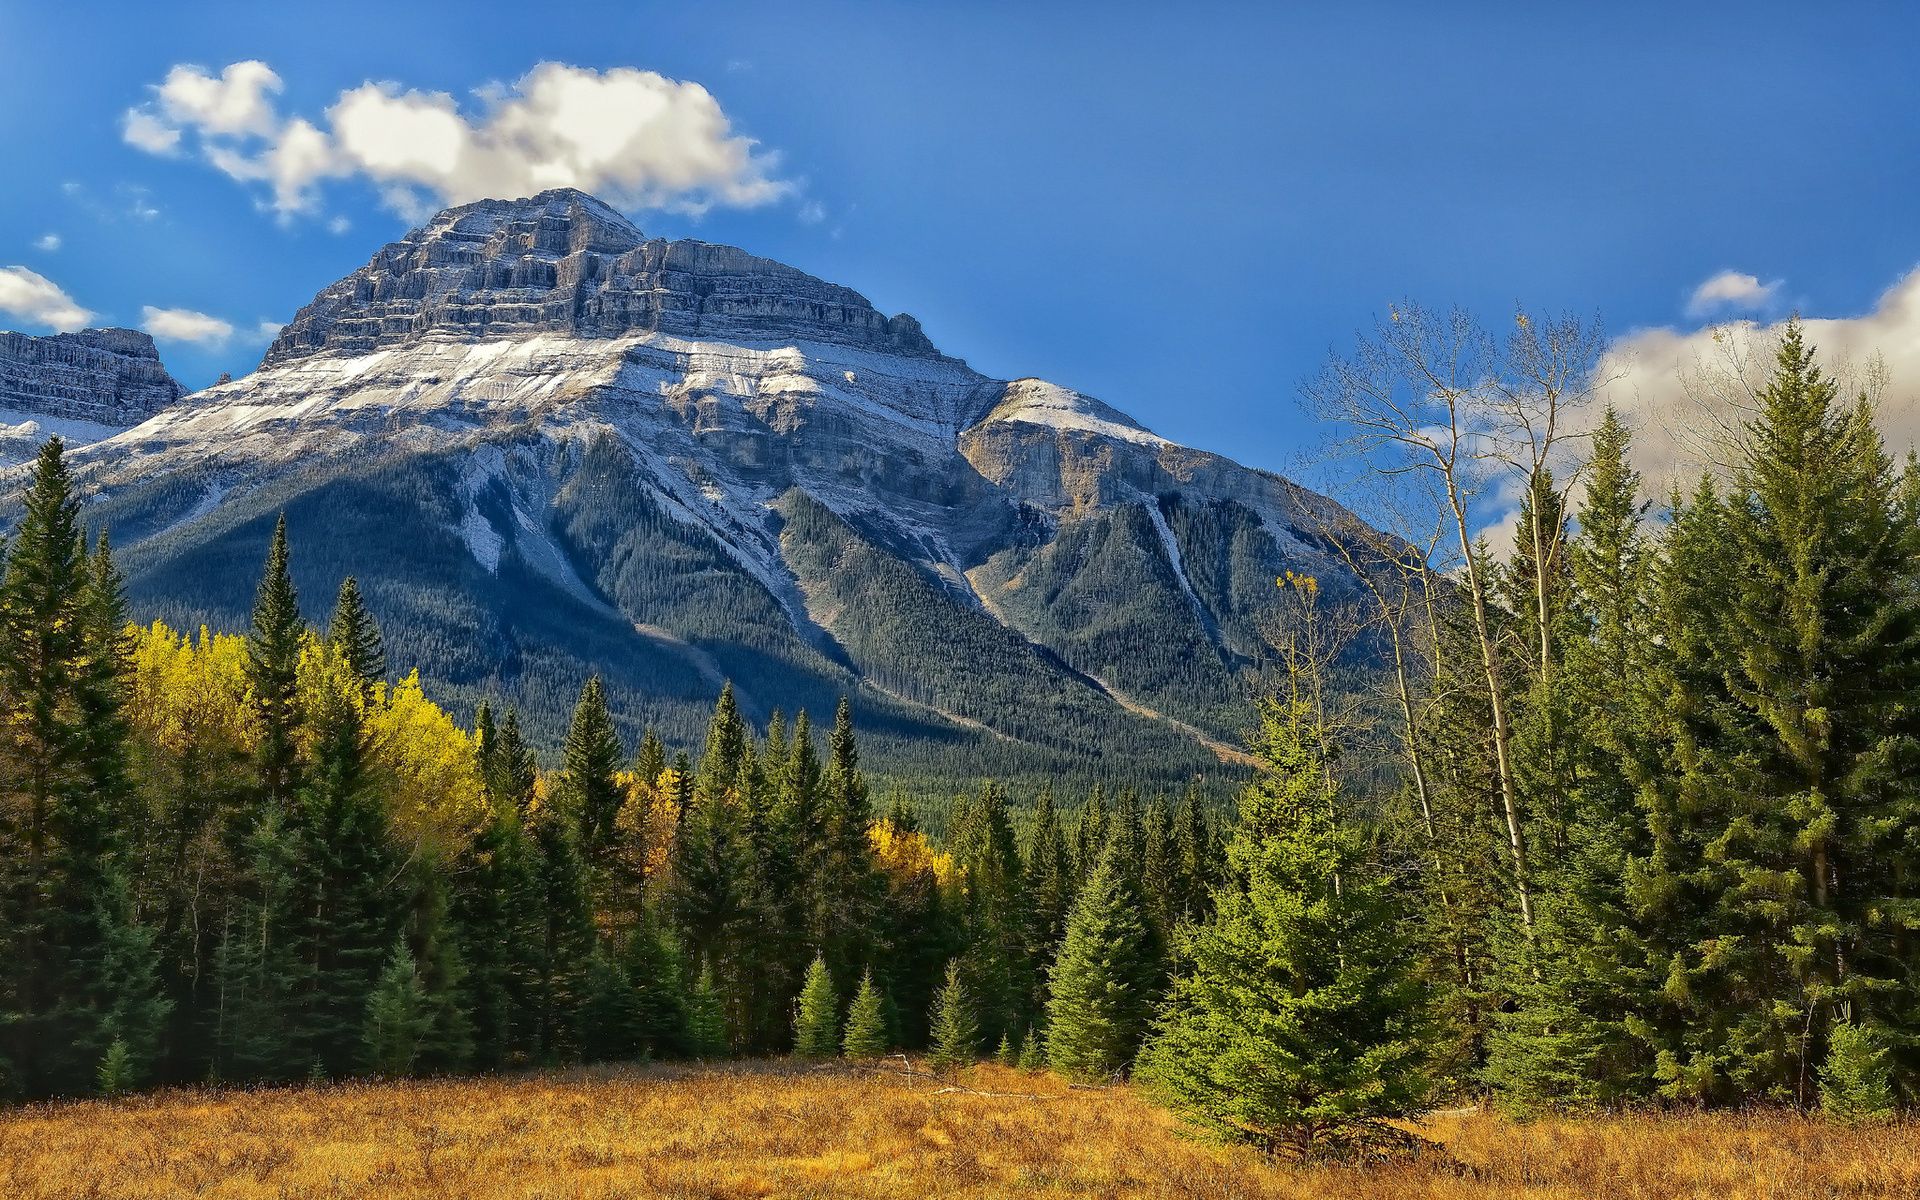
(772, 1130)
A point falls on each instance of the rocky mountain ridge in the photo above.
(549, 446)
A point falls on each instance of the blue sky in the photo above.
(1178, 209)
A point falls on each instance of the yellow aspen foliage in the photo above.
(190, 694)
(429, 765)
(903, 854)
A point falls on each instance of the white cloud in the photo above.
(266, 331)
(633, 137)
(338, 226)
(1685, 391)
(48, 242)
(146, 131)
(812, 213)
(238, 102)
(185, 325)
(1732, 292)
(37, 300)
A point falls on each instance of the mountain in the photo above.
(548, 445)
(84, 386)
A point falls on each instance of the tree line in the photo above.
(256, 857)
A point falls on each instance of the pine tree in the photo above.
(1193, 852)
(1033, 1054)
(353, 632)
(1856, 1080)
(1102, 985)
(593, 756)
(1050, 886)
(848, 908)
(1090, 835)
(566, 938)
(396, 1019)
(816, 1025)
(1298, 1025)
(79, 974)
(866, 1035)
(707, 1018)
(650, 762)
(1580, 985)
(273, 662)
(994, 920)
(345, 871)
(611, 1021)
(653, 967)
(955, 1025)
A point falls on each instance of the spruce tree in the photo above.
(816, 1024)
(566, 937)
(1856, 1080)
(354, 633)
(955, 1025)
(1050, 886)
(345, 871)
(654, 971)
(1101, 991)
(707, 1018)
(593, 757)
(273, 662)
(79, 973)
(998, 973)
(866, 1035)
(396, 1019)
(1297, 1026)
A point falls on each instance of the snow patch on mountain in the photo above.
(1037, 402)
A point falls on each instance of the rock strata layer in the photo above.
(107, 376)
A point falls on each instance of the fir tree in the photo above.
(396, 1019)
(707, 1018)
(866, 1035)
(955, 1041)
(1050, 886)
(566, 937)
(273, 662)
(355, 635)
(1856, 1080)
(995, 919)
(79, 974)
(593, 756)
(1033, 1055)
(816, 1024)
(1298, 1025)
(345, 866)
(1102, 984)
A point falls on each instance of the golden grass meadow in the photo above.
(779, 1130)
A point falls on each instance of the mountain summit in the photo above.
(549, 446)
(563, 261)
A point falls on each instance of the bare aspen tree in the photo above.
(1436, 397)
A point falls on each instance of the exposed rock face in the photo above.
(563, 261)
(104, 376)
(548, 446)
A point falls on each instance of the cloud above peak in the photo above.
(36, 300)
(633, 137)
(1732, 292)
(1686, 392)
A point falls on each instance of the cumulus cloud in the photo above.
(185, 325)
(1732, 292)
(33, 298)
(1687, 391)
(48, 242)
(633, 137)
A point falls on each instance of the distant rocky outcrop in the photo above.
(105, 376)
(563, 261)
